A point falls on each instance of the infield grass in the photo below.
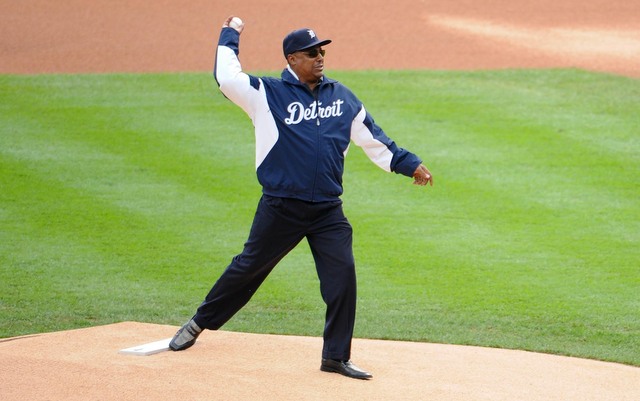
(123, 197)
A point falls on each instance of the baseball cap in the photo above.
(301, 39)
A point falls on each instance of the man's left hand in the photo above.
(422, 176)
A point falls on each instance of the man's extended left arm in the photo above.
(384, 152)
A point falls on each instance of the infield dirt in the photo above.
(41, 36)
(85, 365)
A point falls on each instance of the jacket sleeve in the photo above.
(242, 89)
(380, 148)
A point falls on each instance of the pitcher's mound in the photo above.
(86, 364)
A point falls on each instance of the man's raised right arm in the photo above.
(239, 87)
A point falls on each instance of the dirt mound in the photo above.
(86, 364)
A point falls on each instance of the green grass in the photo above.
(123, 197)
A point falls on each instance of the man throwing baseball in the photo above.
(304, 123)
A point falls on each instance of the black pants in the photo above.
(278, 226)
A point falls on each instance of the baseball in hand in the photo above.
(235, 23)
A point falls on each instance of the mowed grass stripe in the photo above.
(91, 185)
(70, 251)
(528, 240)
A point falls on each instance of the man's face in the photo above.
(308, 64)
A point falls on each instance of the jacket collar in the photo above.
(290, 77)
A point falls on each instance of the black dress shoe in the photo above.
(186, 336)
(346, 368)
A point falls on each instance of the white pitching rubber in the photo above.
(148, 348)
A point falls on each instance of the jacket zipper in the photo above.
(315, 93)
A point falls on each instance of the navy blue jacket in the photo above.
(303, 136)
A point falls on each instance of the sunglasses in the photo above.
(313, 53)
